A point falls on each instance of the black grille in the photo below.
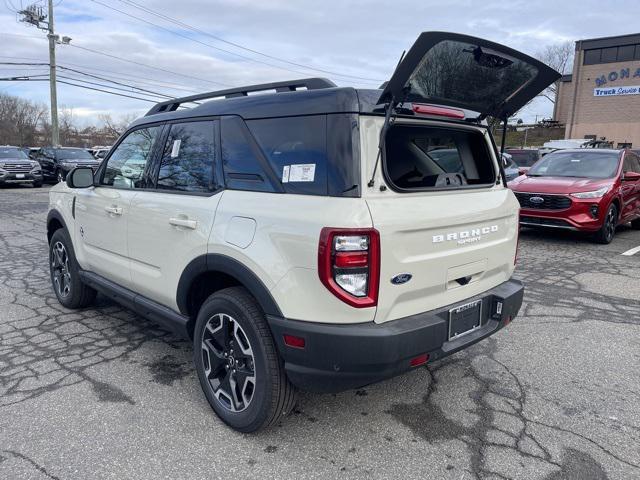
(548, 222)
(543, 202)
(17, 167)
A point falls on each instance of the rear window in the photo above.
(420, 158)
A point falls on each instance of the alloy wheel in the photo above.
(610, 223)
(60, 269)
(228, 362)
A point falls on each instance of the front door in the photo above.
(170, 225)
(102, 211)
(630, 188)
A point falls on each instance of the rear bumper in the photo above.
(342, 357)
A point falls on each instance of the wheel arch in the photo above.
(55, 221)
(209, 273)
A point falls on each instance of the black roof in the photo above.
(284, 104)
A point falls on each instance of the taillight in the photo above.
(349, 264)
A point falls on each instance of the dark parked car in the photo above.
(590, 190)
(15, 167)
(524, 157)
(57, 162)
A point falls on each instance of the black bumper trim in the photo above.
(340, 357)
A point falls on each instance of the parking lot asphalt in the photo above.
(102, 393)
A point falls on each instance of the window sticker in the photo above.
(285, 174)
(175, 150)
(305, 172)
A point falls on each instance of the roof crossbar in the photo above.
(287, 86)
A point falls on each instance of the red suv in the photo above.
(590, 190)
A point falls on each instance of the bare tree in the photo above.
(20, 120)
(117, 127)
(559, 57)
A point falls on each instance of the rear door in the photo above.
(170, 223)
(467, 72)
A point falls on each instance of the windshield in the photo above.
(73, 154)
(13, 153)
(587, 164)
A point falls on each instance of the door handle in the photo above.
(113, 210)
(183, 222)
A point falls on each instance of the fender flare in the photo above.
(213, 262)
(55, 215)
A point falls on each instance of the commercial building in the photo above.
(601, 98)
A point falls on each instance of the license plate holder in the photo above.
(19, 175)
(464, 319)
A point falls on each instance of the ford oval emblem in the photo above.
(536, 200)
(401, 278)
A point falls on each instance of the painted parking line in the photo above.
(632, 251)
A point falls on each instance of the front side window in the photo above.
(581, 164)
(127, 163)
(188, 158)
(631, 163)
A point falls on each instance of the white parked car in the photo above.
(312, 237)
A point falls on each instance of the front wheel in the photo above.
(238, 365)
(608, 229)
(65, 273)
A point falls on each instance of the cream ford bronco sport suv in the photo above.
(313, 236)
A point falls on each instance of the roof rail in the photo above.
(287, 86)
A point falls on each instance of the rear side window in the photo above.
(188, 158)
(420, 158)
(243, 167)
(296, 150)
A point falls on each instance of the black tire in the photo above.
(64, 273)
(37, 184)
(608, 230)
(266, 395)
(635, 224)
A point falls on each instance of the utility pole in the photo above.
(55, 133)
(34, 15)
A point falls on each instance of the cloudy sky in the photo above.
(353, 42)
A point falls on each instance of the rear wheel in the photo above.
(237, 362)
(65, 273)
(608, 230)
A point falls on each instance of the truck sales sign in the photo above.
(611, 91)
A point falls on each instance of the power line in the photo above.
(106, 91)
(162, 96)
(111, 74)
(244, 57)
(237, 45)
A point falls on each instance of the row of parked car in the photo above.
(45, 164)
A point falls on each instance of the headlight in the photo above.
(594, 194)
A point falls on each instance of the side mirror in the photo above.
(80, 177)
(631, 177)
(522, 171)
